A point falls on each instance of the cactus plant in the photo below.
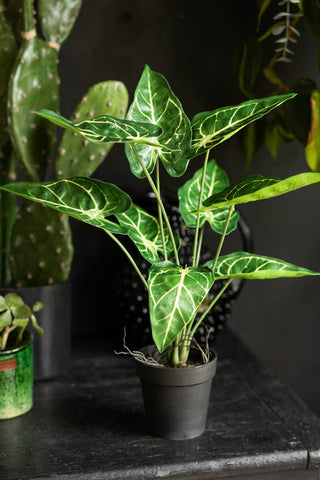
(35, 242)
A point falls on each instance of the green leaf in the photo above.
(247, 61)
(21, 312)
(256, 267)
(216, 180)
(175, 295)
(13, 300)
(263, 5)
(3, 305)
(37, 306)
(154, 102)
(144, 230)
(297, 114)
(312, 149)
(83, 198)
(311, 11)
(106, 129)
(257, 187)
(212, 128)
(5, 318)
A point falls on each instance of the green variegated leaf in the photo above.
(154, 102)
(175, 295)
(106, 129)
(144, 230)
(257, 187)
(215, 181)
(83, 198)
(211, 128)
(256, 267)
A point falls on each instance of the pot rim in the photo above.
(172, 376)
(27, 342)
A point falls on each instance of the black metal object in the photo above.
(133, 301)
(176, 399)
(89, 425)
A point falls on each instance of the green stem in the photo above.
(231, 209)
(160, 213)
(200, 245)
(155, 191)
(214, 301)
(195, 244)
(19, 336)
(135, 266)
(5, 336)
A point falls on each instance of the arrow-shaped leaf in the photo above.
(106, 129)
(216, 180)
(83, 198)
(154, 102)
(175, 295)
(211, 128)
(257, 187)
(144, 230)
(256, 267)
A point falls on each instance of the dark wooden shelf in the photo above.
(89, 425)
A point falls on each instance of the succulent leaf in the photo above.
(33, 85)
(57, 17)
(79, 157)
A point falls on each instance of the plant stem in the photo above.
(123, 248)
(19, 336)
(155, 191)
(231, 209)
(200, 244)
(195, 244)
(160, 213)
(214, 301)
(5, 336)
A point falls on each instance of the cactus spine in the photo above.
(35, 242)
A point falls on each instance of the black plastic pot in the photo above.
(176, 399)
(52, 351)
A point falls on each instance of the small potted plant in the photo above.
(157, 133)
(16, 359)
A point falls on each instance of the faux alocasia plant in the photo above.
(158, 133)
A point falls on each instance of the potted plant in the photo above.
(16, 359)
(157, 132)
(36, 248)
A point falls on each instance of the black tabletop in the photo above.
(89, 425)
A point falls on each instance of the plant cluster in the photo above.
(157, 133)
(35, 242)
(279, 27)
(15, 315)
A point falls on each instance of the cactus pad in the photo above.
(33, 85)
(8, 53)
(57, 17)
(77, 156)
(41, 251)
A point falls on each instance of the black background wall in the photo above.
(192, 44)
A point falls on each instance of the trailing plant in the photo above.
(157, 133)
(35, 242)
(256, 70)
(15, 316)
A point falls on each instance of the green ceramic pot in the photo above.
(16, 379)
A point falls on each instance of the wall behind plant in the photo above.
(192, 44)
